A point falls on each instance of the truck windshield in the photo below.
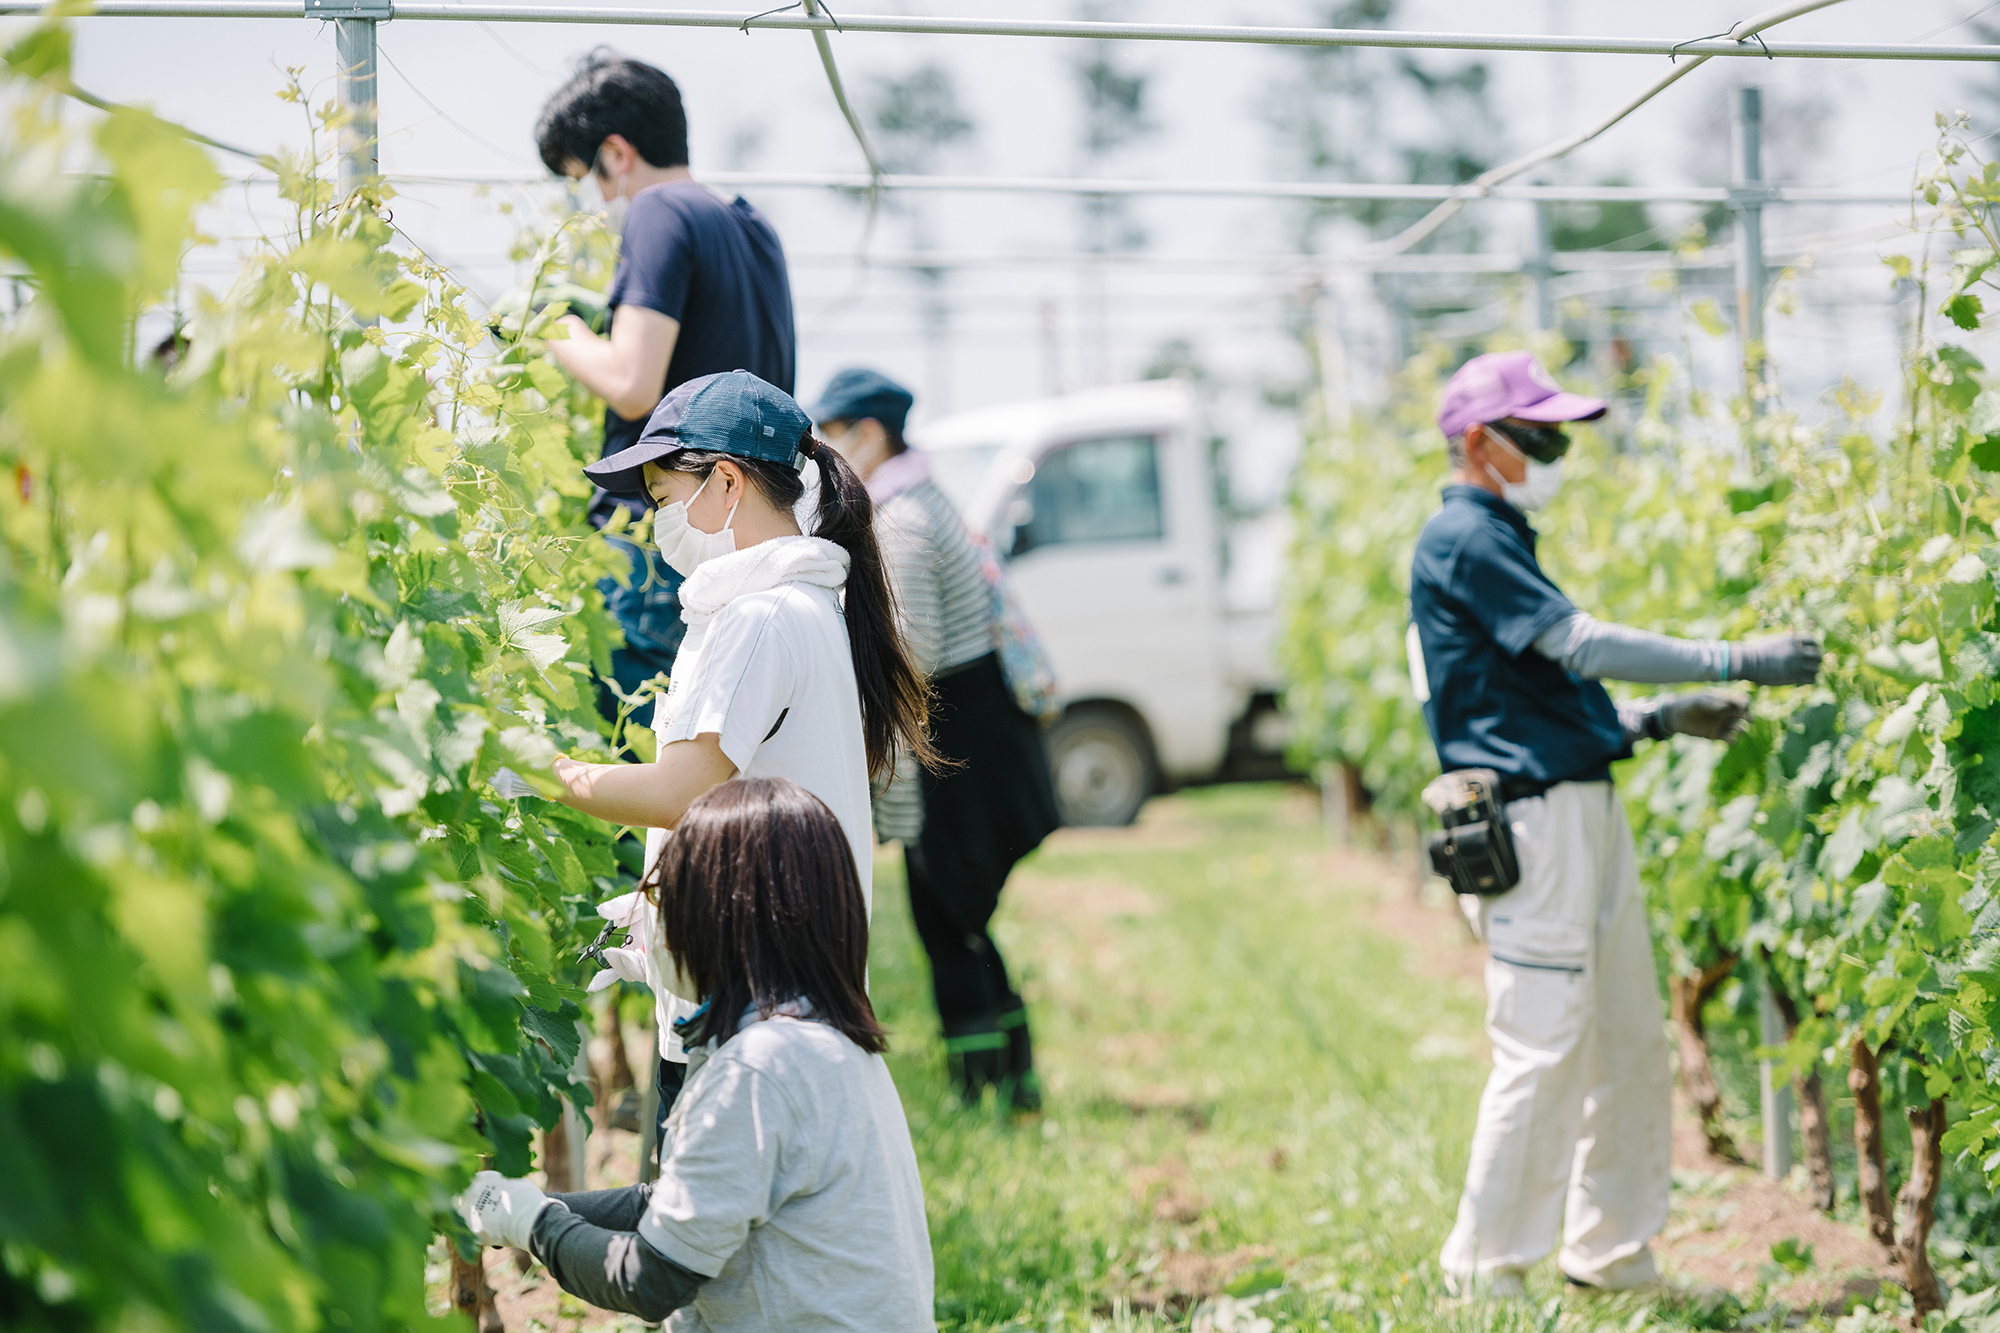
(958, 472)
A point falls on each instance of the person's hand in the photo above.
(1780, 659)
(500, 1211)
(514, 315)
(1716, 715)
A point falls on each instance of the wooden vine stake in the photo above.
(1917, 1206)
(472, 1293)
(1690, 993)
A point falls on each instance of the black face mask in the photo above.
(1544, 444)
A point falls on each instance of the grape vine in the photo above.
(1845, 848)
(277, 965)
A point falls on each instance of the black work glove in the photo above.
(1781, 659)
(1716, 715)
(513, 313)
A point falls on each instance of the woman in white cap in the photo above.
(965, 822)
(793, 666)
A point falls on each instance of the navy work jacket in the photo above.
(1479, 601)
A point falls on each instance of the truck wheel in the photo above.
(1103, 767)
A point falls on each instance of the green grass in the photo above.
(1246, 1083)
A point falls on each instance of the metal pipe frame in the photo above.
(965, 27)
(1305, 191)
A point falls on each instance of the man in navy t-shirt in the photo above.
(701, 288)
(1572, 1141)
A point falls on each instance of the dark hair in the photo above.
(611, 94)
(895, 700)
(761, 904)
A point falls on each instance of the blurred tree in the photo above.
(1622, 225)
(1355, 114)
(915, 117)
(1114, 117)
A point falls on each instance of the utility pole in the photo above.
(354, 43)
(1747, 196)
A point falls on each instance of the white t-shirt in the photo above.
(790, 1182)
(773, 677)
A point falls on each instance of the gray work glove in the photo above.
(1780, 659)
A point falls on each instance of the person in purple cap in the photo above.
(1571, 1146)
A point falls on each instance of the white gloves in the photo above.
(501, 1211)
(627, 962)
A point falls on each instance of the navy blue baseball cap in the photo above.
(855, 393)
(730, 413)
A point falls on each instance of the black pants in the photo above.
(669, 1079)
(968, 976)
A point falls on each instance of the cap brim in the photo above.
(624, 473)
(1562, 407)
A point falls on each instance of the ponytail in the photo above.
(895, 699)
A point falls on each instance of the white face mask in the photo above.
(682, 545)
(1534, 491)
(613, 206)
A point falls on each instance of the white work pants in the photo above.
(1574, 1129)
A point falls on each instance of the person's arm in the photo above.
(628, 370)
(1598, 651)
(591, 1246)
(1591, 648)
(653, 795)
(913, 577)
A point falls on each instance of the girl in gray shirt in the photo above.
(788, 1196)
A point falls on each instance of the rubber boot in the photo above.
(1024, 1088)
(976, 1059)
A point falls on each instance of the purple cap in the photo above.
(1509, 384)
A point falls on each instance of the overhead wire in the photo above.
(442, 114)
(1738, 33)
(1719, 45)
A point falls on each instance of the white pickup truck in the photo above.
(1157, 613)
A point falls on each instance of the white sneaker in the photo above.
(1628, 1274)
(1499, 1284)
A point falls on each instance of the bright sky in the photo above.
(462, 98)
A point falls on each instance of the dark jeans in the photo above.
(649, 611)
(669, 1080)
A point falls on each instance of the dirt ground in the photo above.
(1726, 1217)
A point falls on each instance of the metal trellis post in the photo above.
(1776, 1092)
(1541, 270)
(1748, 194)
(354, 43)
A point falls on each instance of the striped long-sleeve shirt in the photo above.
(945, 612)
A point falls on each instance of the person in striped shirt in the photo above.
(992, 802)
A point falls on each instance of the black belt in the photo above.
(1521, 789)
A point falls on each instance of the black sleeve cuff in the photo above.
(613, 1269)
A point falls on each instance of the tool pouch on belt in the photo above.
(1475, 849)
